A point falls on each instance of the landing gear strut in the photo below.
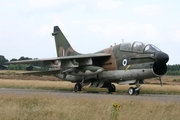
(136, 90)
(77, 87)
(112, 88)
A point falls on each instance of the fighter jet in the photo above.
(125, 63)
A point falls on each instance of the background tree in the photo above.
(24, 58)
(14, 59)
(173, 69)
(3, 60)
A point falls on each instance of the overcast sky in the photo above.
(89, 25)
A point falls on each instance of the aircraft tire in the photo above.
(131, 91)
(77, 87)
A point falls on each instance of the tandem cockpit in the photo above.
(139, 47)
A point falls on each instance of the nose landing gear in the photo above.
(136, 90)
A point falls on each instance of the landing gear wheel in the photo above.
(131, 91)
(77, 87)
(112, 88)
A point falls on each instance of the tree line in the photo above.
(3, 60)
(171, 69)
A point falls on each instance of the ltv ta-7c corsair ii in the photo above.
(125, 63)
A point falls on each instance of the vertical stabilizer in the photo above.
(63, 47)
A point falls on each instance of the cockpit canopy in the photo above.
(139, 47)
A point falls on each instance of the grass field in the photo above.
(50, 107)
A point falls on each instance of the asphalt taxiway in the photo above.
(70, 94)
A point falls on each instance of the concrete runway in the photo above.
(71, 95)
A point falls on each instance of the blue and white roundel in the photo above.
(124, 62)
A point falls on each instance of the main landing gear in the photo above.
(111, 88)
(77, 87)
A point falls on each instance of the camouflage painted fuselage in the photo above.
(117, 71)
(126, 63)
(120, 65)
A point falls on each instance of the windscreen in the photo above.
(151, 49)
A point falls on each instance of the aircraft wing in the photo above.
(66, 61)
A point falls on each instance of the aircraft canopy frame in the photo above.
(138, 47)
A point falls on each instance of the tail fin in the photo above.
(63, 47)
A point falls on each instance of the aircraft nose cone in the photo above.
(162, 57)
